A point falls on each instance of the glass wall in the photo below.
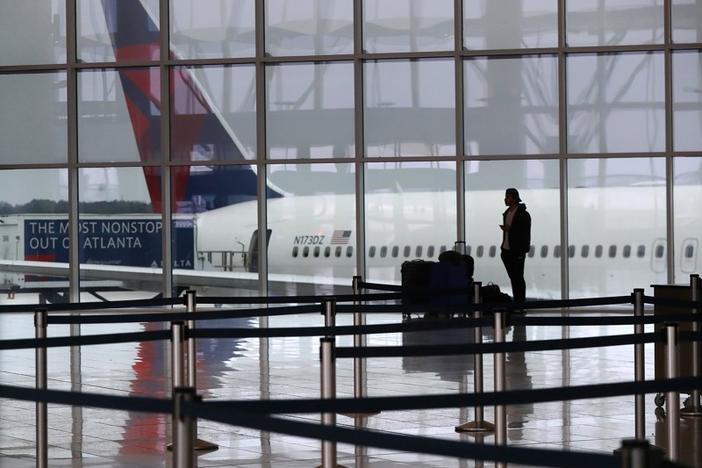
(616, 225)
(410, 214)
(538, 182)
(284, 117)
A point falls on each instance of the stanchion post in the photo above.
(637, 453)
(694, 409)
(359, 363)
(183, 429)
(460, 247)
(500, 384)
(478, 424)
(42, 431)
(328, 392)
(191, 307)
(329, 312)
(177, 351)
(672, 399)
(639, 367)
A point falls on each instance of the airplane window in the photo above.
(660, 250)
(689, 251)
(479, 251)
(327, 251)
(349, 251)
(295, 251)
(430, 251)
(406, 251)
(571, 251)
(493, 250)
(442, 249)
(557, 251)
(305, 251)
(612, 251)
(337, 252)
(626, 251)
(383, 252)
(598, 251)
(371, 251)
(532, 250)
(585, 251)
(467, 249)
(419, 251)
(316, 251)
(544, 251)
(641, 251)
(395, 251)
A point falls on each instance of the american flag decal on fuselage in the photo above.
(340, 237)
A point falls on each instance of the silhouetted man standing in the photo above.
(516, 240)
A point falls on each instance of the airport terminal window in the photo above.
(406, 251)
(349, 251)
(641, 251)
(337, 252)
(430, 251)
(395, 251)
(571, 251)
(660, 250)
(383, 252)
(612, 251)
(305, 251)
(626, 251)
(327, 251)
(316, 251)
(419, 251)
(598, 251)
(371, 252)
(295, 251)
(479, 251)
(492, 251)
(585, 251)
(544, 251)
(557, 251)
(689, 251)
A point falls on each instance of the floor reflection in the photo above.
(146, 433)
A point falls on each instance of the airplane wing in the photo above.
(278, 283)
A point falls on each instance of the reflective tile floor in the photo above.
(288, 368)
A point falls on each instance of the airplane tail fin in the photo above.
(198, 128)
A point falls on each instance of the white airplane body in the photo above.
(617, 236)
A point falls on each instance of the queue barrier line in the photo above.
(404, 443)
(353, 352)
(176, 316)
(457, 400)
(672, 302)
(74, 306)
(285, 426)
(491, 348)
(60, 341)
(379, 286)
(608, 320)
(296, 299)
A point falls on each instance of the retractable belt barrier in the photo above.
(248, 414)
(73, 306)
(350, 352)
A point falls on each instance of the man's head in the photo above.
(512, 197)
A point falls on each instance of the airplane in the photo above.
(311, 238)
